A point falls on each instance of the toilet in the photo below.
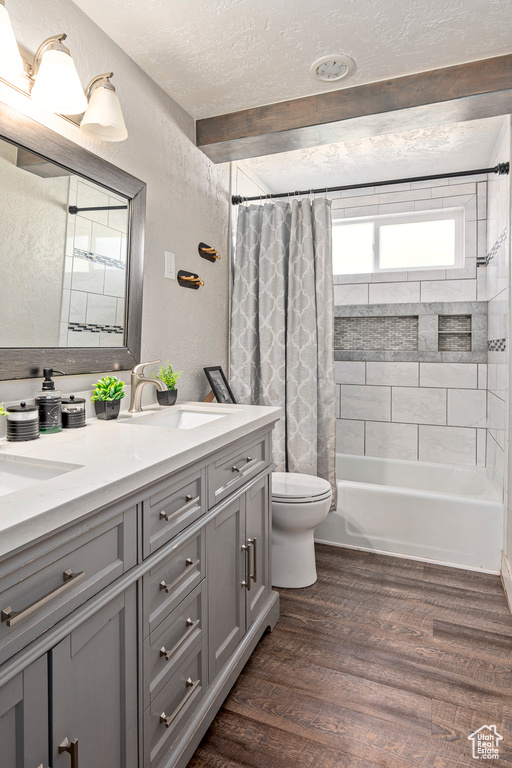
(299, 504)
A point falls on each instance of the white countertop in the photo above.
(108, 460)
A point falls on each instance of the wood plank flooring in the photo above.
(383, 662)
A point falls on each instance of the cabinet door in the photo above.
(24, 718)
(257, 539)
(225, 536)
(94, 690)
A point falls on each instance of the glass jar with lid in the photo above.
(22, 422)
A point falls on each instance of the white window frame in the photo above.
(413, 217)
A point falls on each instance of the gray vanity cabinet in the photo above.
(24, 718)
(122, 634)
(237, 551)
(93, 674)
(257, 532)
(225, 536)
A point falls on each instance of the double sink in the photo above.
(18, 473)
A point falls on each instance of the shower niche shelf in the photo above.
(454, 333)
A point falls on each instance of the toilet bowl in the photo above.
(299, 504)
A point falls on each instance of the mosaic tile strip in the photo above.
(497, 345)
(106, 260)
(483, 261)
(454, 342)
(94, 328)
(385, 333)
(455, 323)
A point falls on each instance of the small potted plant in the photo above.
(169, 378)
(107, 396)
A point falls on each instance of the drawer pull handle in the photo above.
(191, 502)
(239, 469)
(12, 618)
(169, 587)
(72, 748)
(247, 581)
(192, 625)
(192, 684)
(252, 542)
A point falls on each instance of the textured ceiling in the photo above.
(225, 55)
(444, 149)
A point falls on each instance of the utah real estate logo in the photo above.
(486, 743)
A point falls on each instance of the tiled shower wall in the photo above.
(93, 295)
(430, 406)
(497, 273)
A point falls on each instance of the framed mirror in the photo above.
(71, 255)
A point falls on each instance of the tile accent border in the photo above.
(497, 345)
(94, 328)
(483, 261)
(106, 260)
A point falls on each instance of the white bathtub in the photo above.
(440, 513)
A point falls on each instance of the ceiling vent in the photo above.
(329, 69)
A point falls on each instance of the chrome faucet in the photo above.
(137, 381)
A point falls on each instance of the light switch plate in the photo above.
(170, 265)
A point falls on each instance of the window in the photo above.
(405, 241)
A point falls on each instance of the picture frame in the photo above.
(219, 384)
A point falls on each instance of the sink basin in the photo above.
(16, 475)
(176, 418)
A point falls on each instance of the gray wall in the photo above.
(187, 197)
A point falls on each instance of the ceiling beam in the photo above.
(453, 94)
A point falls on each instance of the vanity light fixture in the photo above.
(103, 118)
(56, 85)
(11, 63)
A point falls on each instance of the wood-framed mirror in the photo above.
(71, 255)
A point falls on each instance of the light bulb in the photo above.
(57, 86)
(11, 63)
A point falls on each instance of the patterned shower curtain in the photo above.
(282, 318)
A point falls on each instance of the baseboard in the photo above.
(506, 578)
(408, 557)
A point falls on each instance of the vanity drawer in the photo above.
(171, 508)
(172, 708)
(52, 583)
(169, 582)
(235, 468)
(170, 644)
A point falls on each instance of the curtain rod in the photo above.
(501, 169)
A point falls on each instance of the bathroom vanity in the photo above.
(134, 583)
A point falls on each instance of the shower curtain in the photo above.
(282, 317)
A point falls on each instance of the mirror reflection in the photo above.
(63, 256)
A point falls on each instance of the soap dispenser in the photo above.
(49, 403)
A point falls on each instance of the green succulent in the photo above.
(109, 388)
(168, 376)
(3, 412)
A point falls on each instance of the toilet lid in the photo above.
(292, 486)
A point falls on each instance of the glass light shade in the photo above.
(103, 118)
(11, 63)
(57, 86)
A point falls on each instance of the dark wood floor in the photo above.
(383, 662)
